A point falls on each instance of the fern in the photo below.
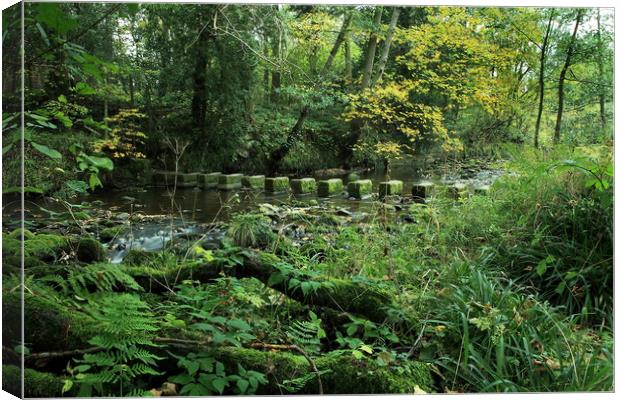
(101, 277)
(126, 335)
(307, 334)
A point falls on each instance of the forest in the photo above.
(233, 199)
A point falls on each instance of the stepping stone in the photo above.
(187, 180)
(353, 177)
(330, 187)
(421, 190)
(229, 182)
(360, 189)
(303, 185)
(390, 188)
(163, 178)
(277, 184)
(167, 178)
(458, 191)
(482, 190)
(209, 181)
(256, 182)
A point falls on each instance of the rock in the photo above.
(229, 182)
(208, 181)
(123, 216)
(421, 190)
(330, 187)
(360, 189)
(107, 234)
(254, 182)
(277, 184)
(303, 185)
(458, 191)
(89, 250)
(353, 177)
(482, 190)
(390, 188)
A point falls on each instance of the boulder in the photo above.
(303, 185)
(421, 190)
(208, 181)
(458, 191)
(277, 184)
(360, 189)
(256, 182)
(330, 187)
(230, 181)
(390, 188)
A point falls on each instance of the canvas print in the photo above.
(236, 199)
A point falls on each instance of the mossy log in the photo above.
(363, 298)
(36, 384)
(346, 375)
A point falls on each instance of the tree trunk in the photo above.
(199, 99)
(278, 154)
(601, 71)
(356, 125)
(569, 55)
(541, 79)
(348, 64)
(386, 45)
(275, 73)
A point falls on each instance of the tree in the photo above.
(541, 77)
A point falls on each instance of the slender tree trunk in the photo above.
(569, 55)
(275, 73)
(278, 154)
(386, 45)
(131, 91)
(356, 125)
(541, 79)
(199, 99)
(601, 71)
(348, 64)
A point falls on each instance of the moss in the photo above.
(277, 184)
(137, 257)
(330, 187)
(303, 186)
(353, 177)
(187, 180)
(48, 324)
(36, 384)
(208, 181)
(421, 190)
(17, 234)
(89, 250)
(254, 182)
(108, 234)
(347, 375)
(228, 182)
(360, 189)
(457, 191)
(390, 188)
(482, 190)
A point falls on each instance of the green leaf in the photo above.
(100, 162)
(182, 379)
(219, 384)
(68, 384)
(242, 384)
(239, 324)
(84, 89)
(7, 148)
(52, 15)
(62, 99)
(51, 153)
(94, 181)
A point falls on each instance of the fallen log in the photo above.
(36, 384)
(370, 299)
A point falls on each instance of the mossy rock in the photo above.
(89, 250)
(421, 190)
(458, 191)
(277, 185)
(208, 181)
(353, 177)
(390, 188)
(303, 185)
(17, 234)
(163, 178)
(108, 234)
(187, 180)
(229, 182)
(483, 190)
(256, 182)
(360, 189)
(36, 384)
(137, 257)
(330, 187)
